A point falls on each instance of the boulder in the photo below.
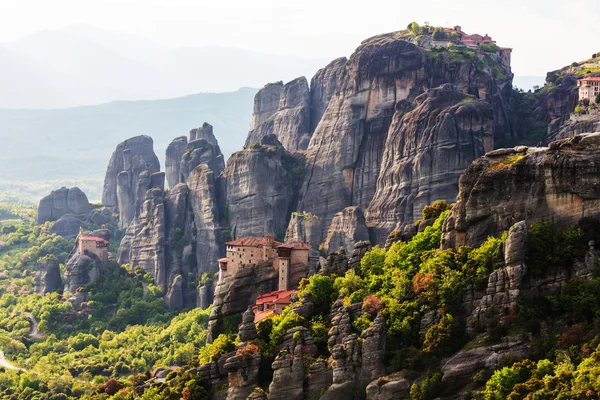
(61, 202)
(68, 226)
(347, 228)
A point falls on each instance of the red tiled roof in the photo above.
(294, 245)
(592, 78)
(223, 260)
(251, 241)
(93, 239)
(277, 296)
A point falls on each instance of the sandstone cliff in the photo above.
(426, 151)
(509, 185)
(347, 228)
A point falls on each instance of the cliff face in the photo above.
(426, 151)
(135, 155)
(283, 111)
(205, 207)
(373, 92)
(259, 189)
(509, 185)
(322, 87)
(61, 202)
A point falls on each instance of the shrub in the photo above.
(222, 345)
(436, 209)
(248, 350)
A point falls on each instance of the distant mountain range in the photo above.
(75, 143)
(82, 65)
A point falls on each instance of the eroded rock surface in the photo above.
(427, 150)
(506, 186)
(173, 157)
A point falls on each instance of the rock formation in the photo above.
(47, 278)
(201, 151)
(173, 157)
(376, 89)
(425, 153)
(61, 202)
(259, 189)
(510, 185)
(205, 207)
(80, 270)
(123, 190)
(304, 227)
(347, 228)
(283, 111)
(242, 368)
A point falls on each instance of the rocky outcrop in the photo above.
(47, 277)
(259, 189)
(283, 111)
(201, 151)
(80, 270)
(322, 87)
(144, 242)
(376, 89)
(135, 155)
(61, 202)
(392, 387)
(347, 228)
(426, 151)
(68, 226)
(174, 297)
(462, 365)
(233, 294)
(242, 368)
(337, 263)
(305, 228)
(173, 157)
(506, 186)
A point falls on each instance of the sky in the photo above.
(545, 34)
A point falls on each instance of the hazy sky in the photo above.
(545, 34)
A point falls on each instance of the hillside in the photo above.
(75, 143)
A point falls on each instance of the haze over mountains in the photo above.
(82, 65)
(66, 145)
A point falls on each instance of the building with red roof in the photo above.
(272, 303)
(93, 245)
(589, 87)
(248, 252)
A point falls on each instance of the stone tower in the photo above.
(284, 273)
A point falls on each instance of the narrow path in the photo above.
(4, 363)
(35, 333)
